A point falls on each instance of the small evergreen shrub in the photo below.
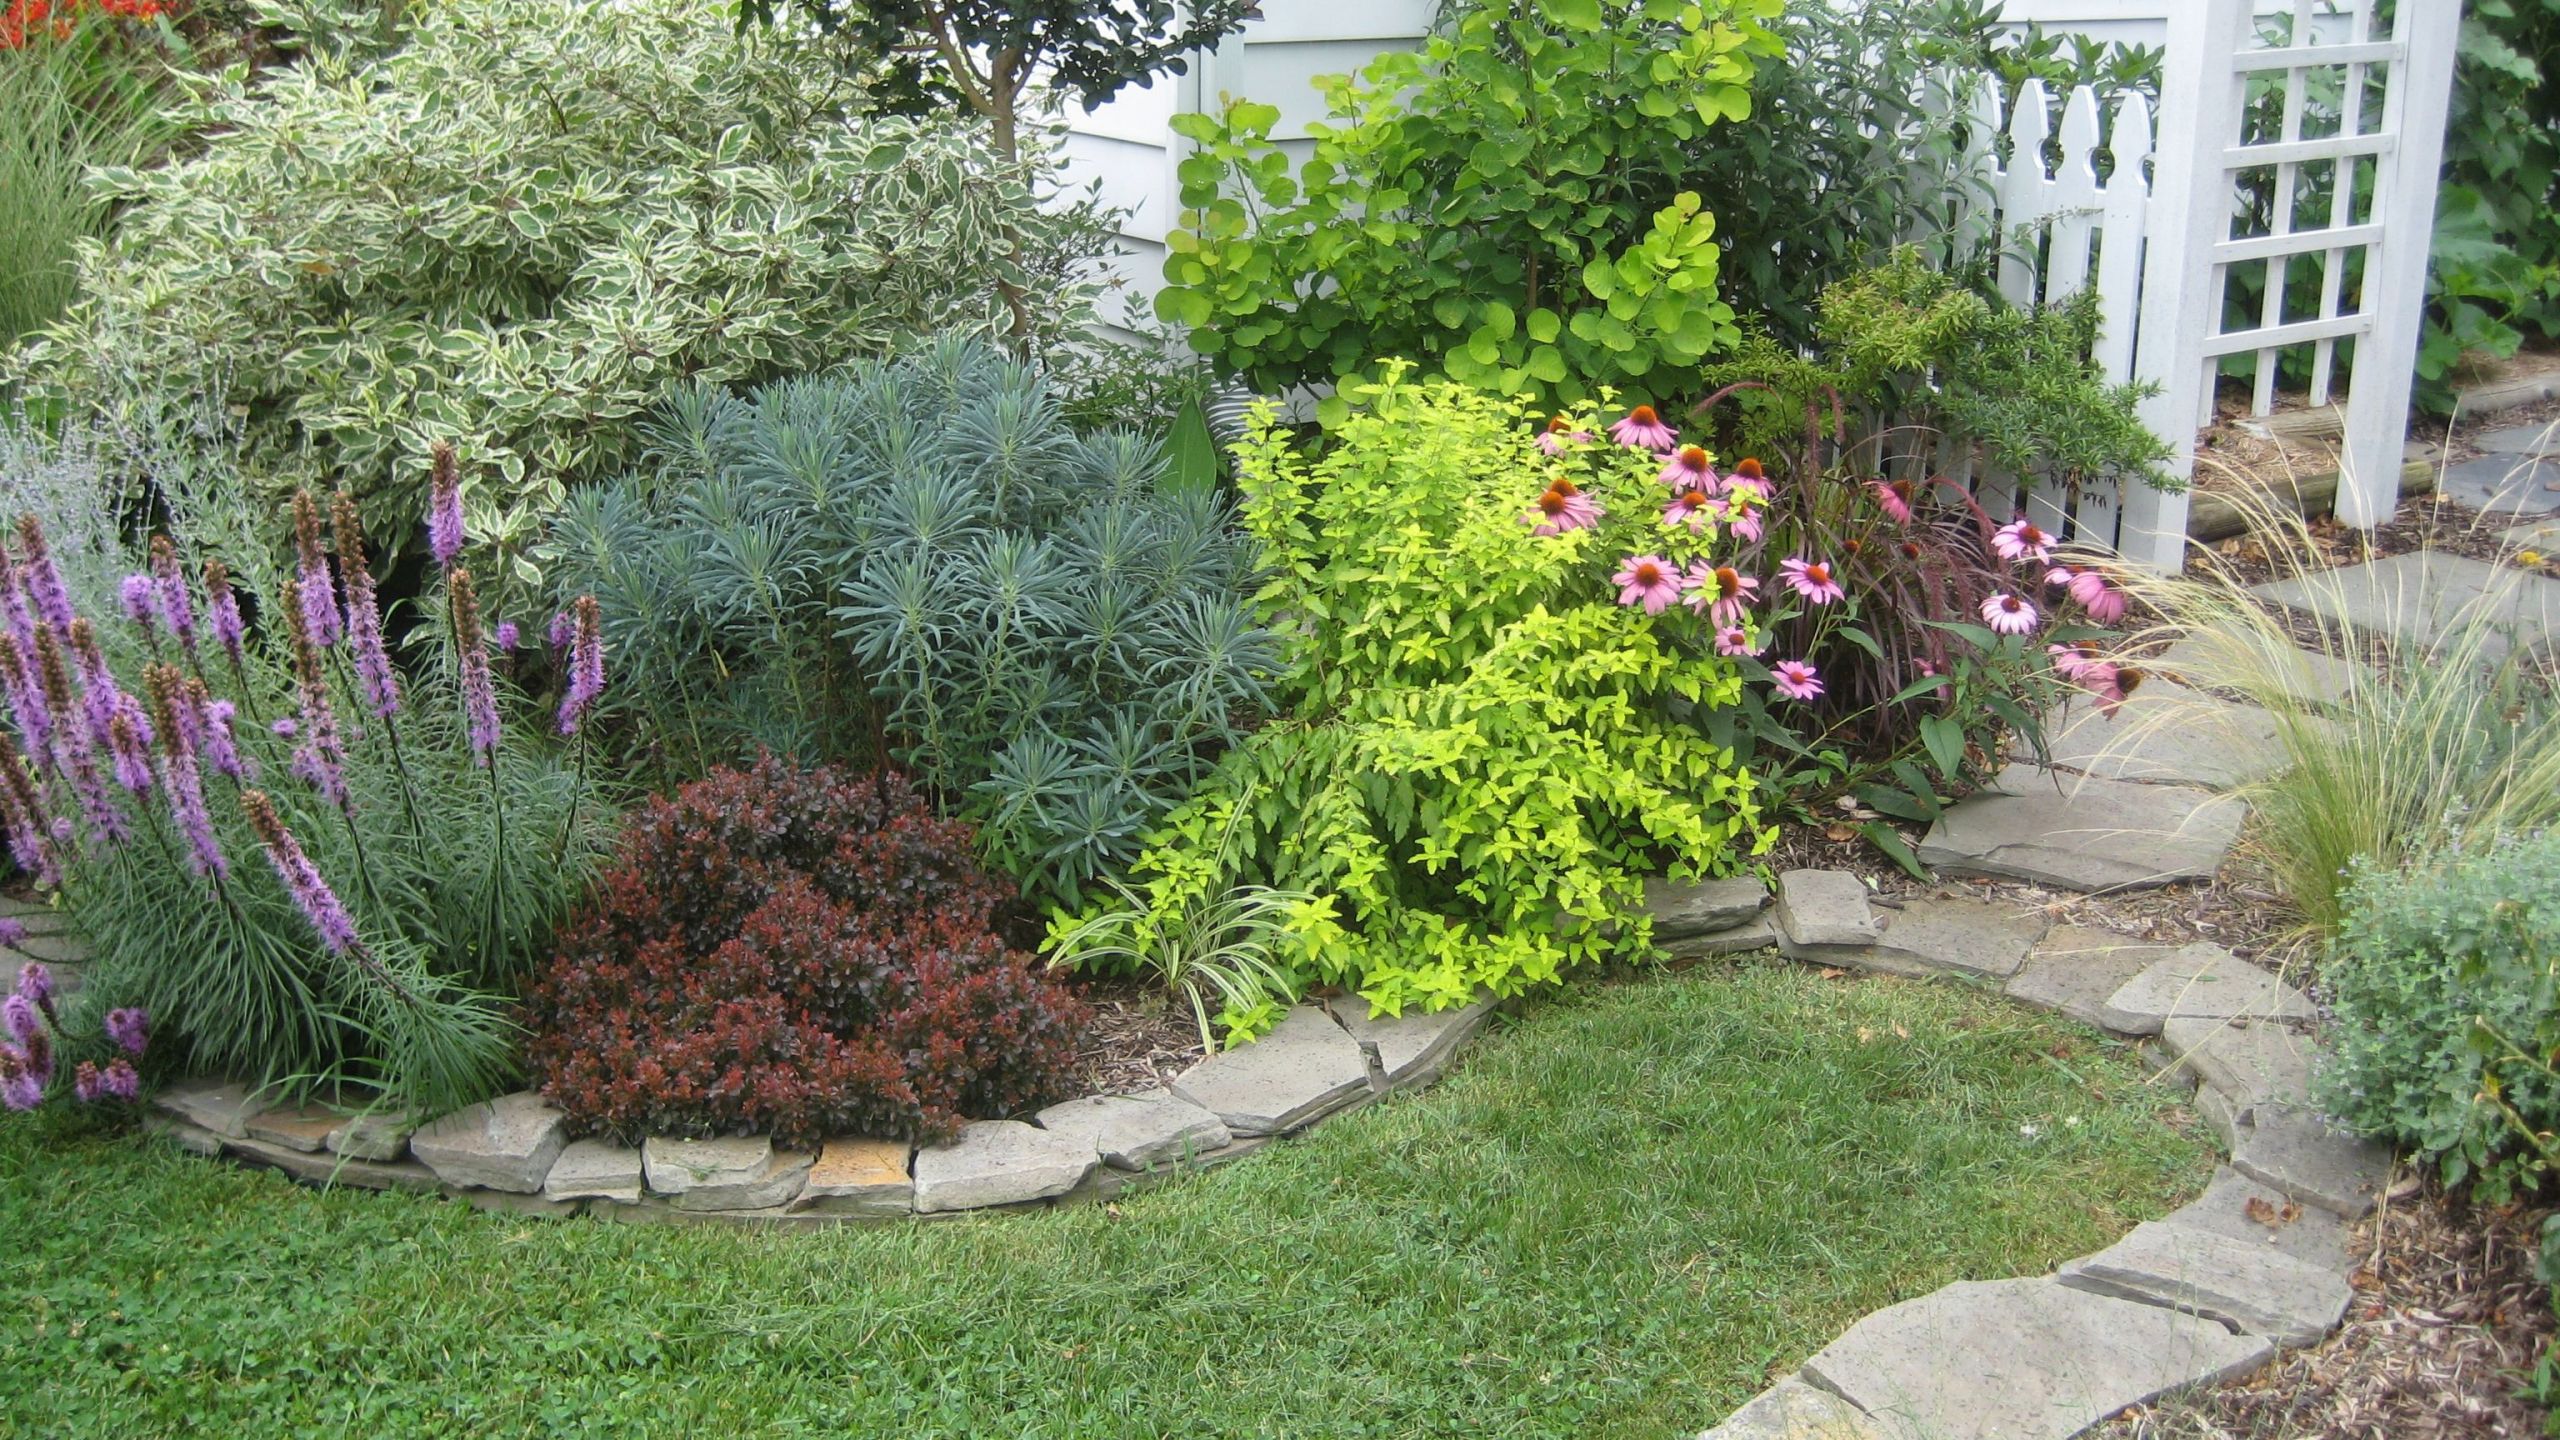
(2445, 985)
(803, 953)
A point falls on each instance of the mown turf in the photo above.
(1618, 1218)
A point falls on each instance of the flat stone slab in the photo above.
(2308, 676)
(861, 1177)
(1757, 933)
(374, 1136)
(2020, 1360)
(506, 1144)
(2203, 982)
(776, 1185)
(1826, 908)
(1306, 1068)
(305, 1127)
(677, 1166)
(595, 1170)
(1133, 1132)
(2504, 484)
(224, 1107)
(2254, 1288)
(2416, 596)
(34, 916)
(2304, 1156)
(2520, 440)
(2540, 536)
(1951, 937)
(2265, 1218)
(1411, 1049)
(336, 1170)
(2083, 833)
(1793, 1410)
(2076, 969)
(1681, 909)
(2253, 1063)
(1003, 1162)
(2165, 733)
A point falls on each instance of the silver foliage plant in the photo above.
(514, 228)
(921, 560)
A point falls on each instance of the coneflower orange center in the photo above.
(1552, 502)
(1643, 415)
(1728, 582)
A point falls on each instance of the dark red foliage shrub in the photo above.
(799, 953)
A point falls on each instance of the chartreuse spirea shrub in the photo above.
(309, 865)
(1486, 751)
(2445, 987)
(798, 953)
(1509, 205)
(1049, 629)
(516, 227)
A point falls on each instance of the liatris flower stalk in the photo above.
(98, 692)
(229, 630)
(364, 614)
(564, 628)
(444, 507)
(74, 751)
(26, 694)
(129, 1029)
(14, 617)
(22, 817)
(44, 583)
(180, 775)
(586, 664)
(20, 1087)
(169, 591)
(127, 748)
(319, 593)
(479, 693)
(318, 757)
(35, 982)
(141, 606)
(302, 879)
(18, 1016)
(209, 725)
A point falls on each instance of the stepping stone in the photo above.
(2202, 982)
(1756, 933)
(2075, 970)
(1823, 910)
(1962, 937)
(1793, 1410)
(2308, 676)
(1003, 1162)
(2252, 1288)
(2521, 440)
(505, 1144)
(861, 1177)
(2221, 1114)
(2083, 833)
(2266, 1218)
(2164, 733)
(375, 1136)
(2020, 1360)
(1305, 1069)
(1410, 1050)
(224, 1107)
(2307, 1158)
(2415, 597)
(2252, 1063)
(1682, 909)
(1133, 1132)
(595, 1170)
(2504, 484)
(305, 1127)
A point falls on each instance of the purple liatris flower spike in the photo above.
(18, 1016)
(75, 752)
(564, 628)
(212, 733)
(129, 1029)
(187, 807)
(479, 693)
(22, 813)
(20, 1088)
(35, 984)
(86, 1084)
(44, 583)
(302, 879)
(120, 1081)
(229, 630)
(364, 614)
(130, 745)
(319, 592)
(98, 693)
(19, 677)
(318, 757)
(284, 726)
(444, 507)
(169, 586)
(13, 932)
(507, 635)
(14, 617)
(586, 665)
(141, 605)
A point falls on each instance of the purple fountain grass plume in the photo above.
(169, 586)
(319, 593)
(364, 614)
(586, 665)
(318, 757)
(479, 693)
(444, 507)
(302, 879)
(44, 583)
(229, 630)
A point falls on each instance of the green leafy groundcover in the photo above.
(1618, 1218)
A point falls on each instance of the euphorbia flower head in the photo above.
(2022, 539)
(1894, 498)
(1689, 469)
(1560, 509)
(1812, 579)
(2006, 614)
(1650, 581)
(1795, 679)
(1720, 592)
(1642, 429)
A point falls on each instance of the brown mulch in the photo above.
(2446, 1322)
(1139, 1038)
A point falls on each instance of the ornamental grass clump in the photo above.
(801, 953)
(306, 864)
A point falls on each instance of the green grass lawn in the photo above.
(1620, 1216)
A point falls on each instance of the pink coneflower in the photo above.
(2006, 614)
(1812, 579)
(1930, 671)
(1650, 581)
(1644, 430)
(1795, 679)
(1720, 592)
(1743, 502)
(1894, 498)
(1689, 507)
(2104, 682)
(2070, 660)
(1734, 640)
(1689, 469)
(444, 506)
(1560, 509)
(2104, 602)
(2022, 539)
(1560, 436)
